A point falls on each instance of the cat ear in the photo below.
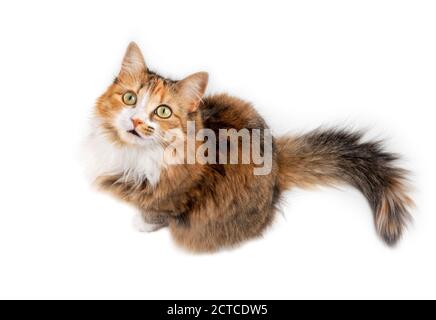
(192, 89)
(133, 61)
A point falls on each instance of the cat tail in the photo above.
(334, 156)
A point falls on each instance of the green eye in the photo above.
(163, 111)
(129, 98)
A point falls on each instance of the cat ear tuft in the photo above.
(133, 61)
(192, 89)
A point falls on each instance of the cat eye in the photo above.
(163, 111)
(129, 98)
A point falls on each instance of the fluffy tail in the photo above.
(337, 156)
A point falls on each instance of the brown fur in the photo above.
(208, 206)
(211, 206)
(335, 156)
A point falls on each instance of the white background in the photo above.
(369, 64)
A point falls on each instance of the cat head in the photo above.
(140, 107)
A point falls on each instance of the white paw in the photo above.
(140, 225)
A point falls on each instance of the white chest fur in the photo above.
(134, 163)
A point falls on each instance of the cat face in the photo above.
(140, 107)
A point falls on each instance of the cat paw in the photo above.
(140, 225)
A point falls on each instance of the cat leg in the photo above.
(143, 223)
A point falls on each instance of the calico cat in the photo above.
(209, 206)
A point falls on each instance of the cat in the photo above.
(210, 206)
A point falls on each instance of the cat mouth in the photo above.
(133, 131)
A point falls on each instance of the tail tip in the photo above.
(392, 217)
(391, 239)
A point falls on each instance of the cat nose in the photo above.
(136, 122)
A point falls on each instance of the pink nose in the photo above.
(136, 122)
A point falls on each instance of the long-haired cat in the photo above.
(208, 206)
